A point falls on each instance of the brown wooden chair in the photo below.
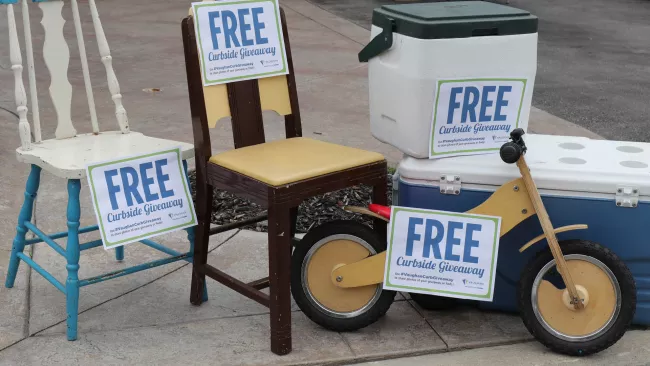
(277, 175)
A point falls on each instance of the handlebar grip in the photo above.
(510, 152)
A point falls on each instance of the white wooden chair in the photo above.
(67, 154)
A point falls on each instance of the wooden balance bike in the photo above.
(338, 270)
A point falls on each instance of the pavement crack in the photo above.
(347, 343)
(429, 323)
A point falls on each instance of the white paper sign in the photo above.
(442, 253)
(140, 196)
(473, 116)
(239, 40)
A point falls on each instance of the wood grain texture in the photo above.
(547, 227)
(511, 202)
(57, 58)
(279, 250)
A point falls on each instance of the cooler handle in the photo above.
(382, 42)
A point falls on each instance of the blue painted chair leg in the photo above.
(119, 253)
(72, 255)
(191, 235)
(31, 188)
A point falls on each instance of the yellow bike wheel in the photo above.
(606, 288)
(321, 251)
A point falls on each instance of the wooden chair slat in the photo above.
(274, 95)
(246, 110)
(31, 73)
(57, 58)
(107, 60)
(81, 44)
(216, 103)
(17, 67)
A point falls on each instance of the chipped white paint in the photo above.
(57, 57)
(84, 66)
(17, 67)
(113, 85)
(68, 158)
(29, 50)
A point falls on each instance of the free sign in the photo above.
(442, 253)
(140, 196)
(239, 40)
(473, 116)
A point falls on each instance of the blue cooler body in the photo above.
(604, 184)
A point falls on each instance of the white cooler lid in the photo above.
(564, 163)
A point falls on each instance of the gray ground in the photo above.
(593, 60)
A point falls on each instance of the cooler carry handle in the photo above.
(382, 42)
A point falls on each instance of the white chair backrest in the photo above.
(56, 55)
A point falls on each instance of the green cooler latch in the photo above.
(380, 43)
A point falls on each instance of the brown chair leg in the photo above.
(294, 224)
(380, 197)
(203, 215)
(280, 278)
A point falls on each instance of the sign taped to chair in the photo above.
(141, 196)
(442, 253)
(239, 40)
(475, 115)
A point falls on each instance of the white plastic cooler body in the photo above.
(402, 81)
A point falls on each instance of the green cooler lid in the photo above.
(456, 19)
(453, 19)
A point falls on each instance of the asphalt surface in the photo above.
(593, 60)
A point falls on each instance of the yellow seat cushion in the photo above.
(292, 160)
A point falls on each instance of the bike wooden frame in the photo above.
(514, 202)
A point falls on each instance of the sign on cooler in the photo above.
(139, 197)
(442, 253)
(474, 116)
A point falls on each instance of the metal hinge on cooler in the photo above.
(627, 197)
(449, 184)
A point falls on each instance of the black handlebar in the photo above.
(511, 151)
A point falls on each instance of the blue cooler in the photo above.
(604, 184)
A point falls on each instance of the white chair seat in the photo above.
(67, 158)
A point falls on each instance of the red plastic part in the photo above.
(380, 210)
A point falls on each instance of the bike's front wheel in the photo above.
(604, 283)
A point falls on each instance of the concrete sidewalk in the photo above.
(146, 318)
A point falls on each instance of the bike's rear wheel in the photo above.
(604, 282)
(324, 249)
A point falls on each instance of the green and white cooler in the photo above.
(416, 48)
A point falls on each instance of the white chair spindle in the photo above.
(57, 57)
(113, 85)
(29, 51)
(17, 67)
(84, 66)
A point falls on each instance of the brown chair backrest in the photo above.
(244, 101)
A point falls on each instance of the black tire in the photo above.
(619, 325)
(303, 299)
(433, 302)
